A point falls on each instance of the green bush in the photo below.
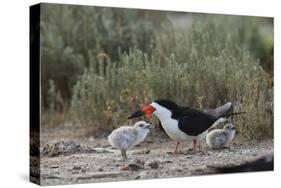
(101, 64)
(208, 67)
(72, 35)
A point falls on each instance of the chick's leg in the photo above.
(123, 153)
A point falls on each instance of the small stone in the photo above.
(55, 166)
(76, 168)
(153, 164)
(147, 151)
(179, 170)
(100, 170)
(168, 161)
(132, 167)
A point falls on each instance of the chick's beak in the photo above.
(148, 126)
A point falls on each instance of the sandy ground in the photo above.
(94, 160)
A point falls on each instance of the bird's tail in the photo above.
(222, 119)
(219, 111)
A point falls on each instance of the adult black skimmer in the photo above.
(217, 112)
(182, 123)
(126, 137)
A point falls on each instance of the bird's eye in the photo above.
(141, 125)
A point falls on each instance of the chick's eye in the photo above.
(141, 125)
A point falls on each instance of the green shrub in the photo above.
(70, 33)
(101, 64)
(205, 70)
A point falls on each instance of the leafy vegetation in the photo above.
(101, 64)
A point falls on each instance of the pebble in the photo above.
(83, 170)
(100, 169)
(76, 168)
(133, 167)
(153, 164)
(56, 166)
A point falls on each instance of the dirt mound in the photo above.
(65, 148)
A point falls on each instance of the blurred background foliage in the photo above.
(101, 64)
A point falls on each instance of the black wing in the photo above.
(194, 122)
(184, 110)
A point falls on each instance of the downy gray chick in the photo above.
(219, 138)
(126, 137)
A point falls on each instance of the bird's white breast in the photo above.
(173, 131)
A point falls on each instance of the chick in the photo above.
(126, 137)
(219, 138)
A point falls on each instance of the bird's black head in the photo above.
(170, 105)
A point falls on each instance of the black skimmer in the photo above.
(182, 123)
(220, 138)
(126, 137)
(217, 112)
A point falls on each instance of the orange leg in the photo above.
(197, 144)
(194, 144)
